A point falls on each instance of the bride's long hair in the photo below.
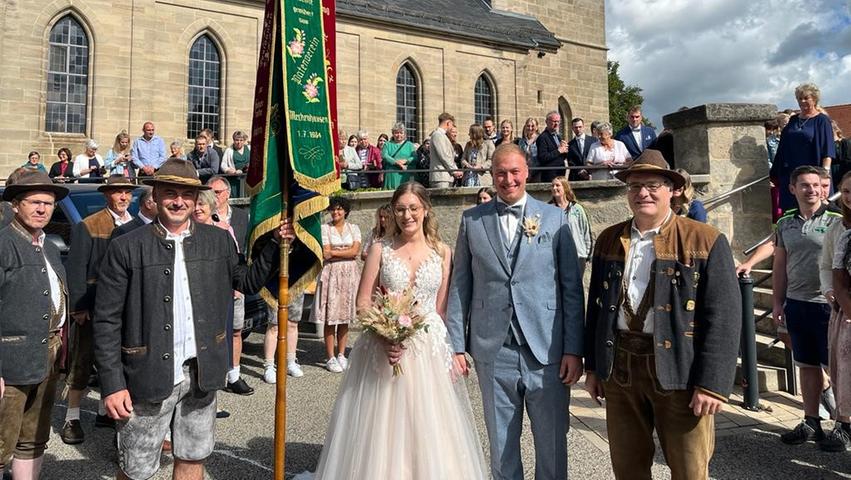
(432, 236)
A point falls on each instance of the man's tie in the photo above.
(513, 210)
(581, 144)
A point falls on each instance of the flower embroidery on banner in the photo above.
(311, 89)
(296, 45)
(531, 227)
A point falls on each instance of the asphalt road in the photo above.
(244, 440)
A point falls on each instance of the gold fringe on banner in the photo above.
(324, 185)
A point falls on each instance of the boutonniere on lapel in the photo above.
(531, 227)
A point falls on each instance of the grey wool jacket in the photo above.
(133, 319)
(25, 305)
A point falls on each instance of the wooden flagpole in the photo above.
(281, 349)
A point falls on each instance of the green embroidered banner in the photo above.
(308, 108)
(292, 148)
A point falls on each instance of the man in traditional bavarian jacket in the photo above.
(33, 304)
(89, 241)
(662, 328)
(160, 320)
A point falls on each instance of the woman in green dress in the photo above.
(235, 161)
(398, 155)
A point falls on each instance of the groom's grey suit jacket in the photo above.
(542, 286)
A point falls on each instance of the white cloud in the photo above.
(687, 53)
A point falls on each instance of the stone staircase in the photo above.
(771, 353)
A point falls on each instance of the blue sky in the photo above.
(691, 52)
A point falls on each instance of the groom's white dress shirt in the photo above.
(508, 223)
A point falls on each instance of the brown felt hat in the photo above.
(117, 182)
(652, 161)
(177, 172)
(33, 181)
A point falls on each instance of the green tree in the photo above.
(622, 97)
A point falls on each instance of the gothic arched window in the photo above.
(67, 77)
(205, 80)
(484, 99)
(407, 101)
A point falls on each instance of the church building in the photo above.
(80, 69)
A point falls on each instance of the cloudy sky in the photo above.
(691, 52)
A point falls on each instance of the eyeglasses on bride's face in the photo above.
(401, 210)
(409, 212)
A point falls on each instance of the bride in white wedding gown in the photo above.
(419, 425)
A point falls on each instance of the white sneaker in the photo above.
(270, 375)
(294, 369)
(333, 366)
(344, 363)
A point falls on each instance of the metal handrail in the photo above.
(753, 247)
(735, 190)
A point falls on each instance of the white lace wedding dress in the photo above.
(416, 426)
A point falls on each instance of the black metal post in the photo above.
(750, 376)
(791, 379)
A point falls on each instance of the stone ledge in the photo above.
(720, 113)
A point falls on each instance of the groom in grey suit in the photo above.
(516, 301)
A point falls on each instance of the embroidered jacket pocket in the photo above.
(141, 350)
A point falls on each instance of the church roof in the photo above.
(471, 19)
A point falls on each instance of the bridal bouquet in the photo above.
(393, 317)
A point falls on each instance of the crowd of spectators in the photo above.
(144, 155)
(441, 161)
(389, 162)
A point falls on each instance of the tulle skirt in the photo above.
(839, 347)
(415, 426)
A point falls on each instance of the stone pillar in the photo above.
(726, 141)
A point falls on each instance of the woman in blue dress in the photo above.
(806, 140)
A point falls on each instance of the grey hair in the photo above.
(810, 89)
(216, 178)
(207, 197)
(91, 143)
(554, 112)
(240, 134)
(398, 127)
(147, 192)
(177, 143)
(362, 134)
(604, 127)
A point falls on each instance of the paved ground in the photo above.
(747, 443)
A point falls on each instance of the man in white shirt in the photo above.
(515, 304)
(89, 242)
(162, 355)
(578, 148)
(662, 328)
(33, 309)
(490, 129)
(636, 136)
(147, 213)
